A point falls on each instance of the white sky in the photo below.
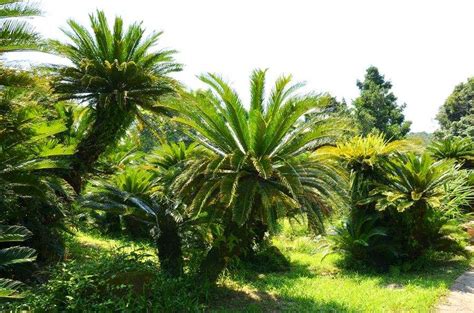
(425, 47)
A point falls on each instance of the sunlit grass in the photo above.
(311, 285)
(314, 285)
(86, 245)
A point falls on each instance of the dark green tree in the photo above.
(456, 115)
(376, 108)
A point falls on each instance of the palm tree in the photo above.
(459, 149)
(16, 33)
(362, 156)
(260, 166)
(143, 193)
(116, 73)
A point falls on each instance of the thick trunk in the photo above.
(169, 246)
(221, 253)
(106, 130)
(111, 223)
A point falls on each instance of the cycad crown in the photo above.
(262, 166)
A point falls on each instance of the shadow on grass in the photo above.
(230, 300)
(253, 297)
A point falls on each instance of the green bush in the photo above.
(110, 283)
(403, 204)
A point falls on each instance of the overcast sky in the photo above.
(424, 47)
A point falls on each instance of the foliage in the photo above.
(30, 195)
(423, 192)
(456, 115)
(458, 149)
(110, 282)
(115, 72)
(401, 202)
(376, 108)
(259, 166)
(83, 283)
(364, 153)
(413, 182)
(141, 195)
(13, 255)
(362, 156)
(360, 238)
(16, 33)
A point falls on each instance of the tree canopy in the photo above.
(456, 115)
(376, 108)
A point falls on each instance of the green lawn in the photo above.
(311, 285)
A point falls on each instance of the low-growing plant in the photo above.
(13, 255)
(402, 203)
(125, 282)
(458, 149)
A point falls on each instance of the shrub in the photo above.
(13, 255)
(110, 283)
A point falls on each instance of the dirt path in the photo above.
(461, 297)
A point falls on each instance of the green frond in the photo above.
(17, 34)
(12, 256)
(14, 233)
(258, 163)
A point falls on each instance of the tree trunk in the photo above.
(222, 251)
(108, 127)
(169, 246)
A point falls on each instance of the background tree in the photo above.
(376, 108)
(116, 73)
(456, 115)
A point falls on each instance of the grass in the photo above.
(312, 285)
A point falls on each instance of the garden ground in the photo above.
(311, 285)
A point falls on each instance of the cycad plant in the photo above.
(415, 196)
(15, 32)
(13, 255)
(459, 149)
(260, 165)
(29, 153)
(143, 193)
(362, 157)
(413, 182)
(360, 235)
(116, 72)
